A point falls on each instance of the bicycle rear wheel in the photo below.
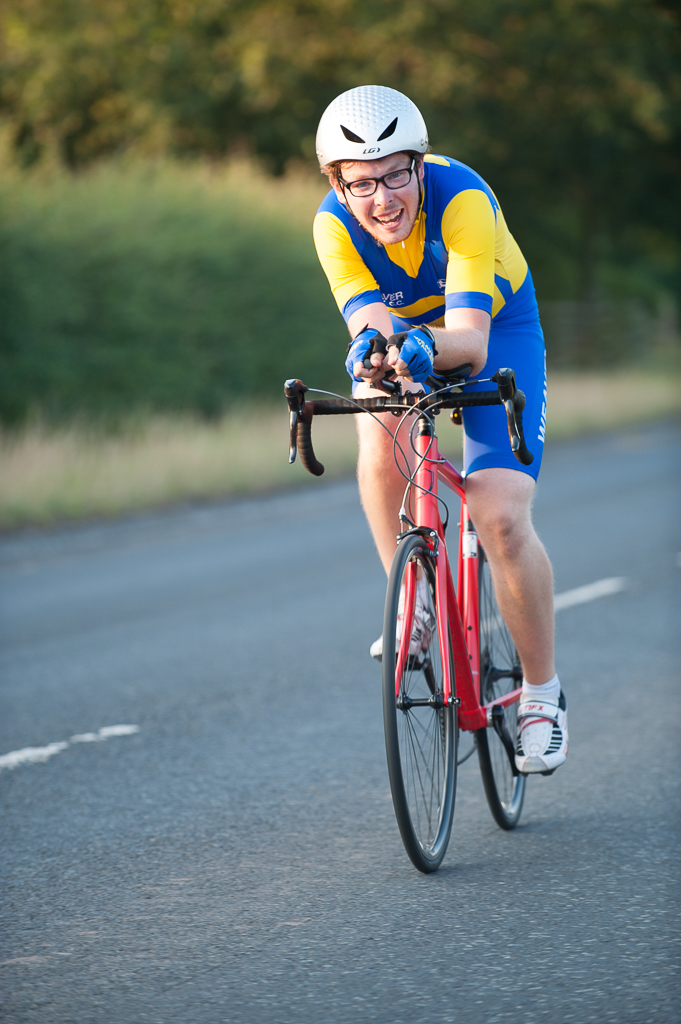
(420, 732)
(500, 672)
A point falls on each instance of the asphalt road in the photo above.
(237, 859)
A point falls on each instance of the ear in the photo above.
(421, 168)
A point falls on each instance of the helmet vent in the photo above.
(390, 130)
(386, 118)
(351, 137)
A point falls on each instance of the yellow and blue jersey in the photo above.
(459, 254)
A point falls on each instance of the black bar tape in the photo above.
(304, 437)
(340, 406)
(523, 455)
(475, 398)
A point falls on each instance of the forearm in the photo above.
(463, 339)
(458, 346)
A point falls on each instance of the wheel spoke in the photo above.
(498, 660)
(426, 791)
(421, 738)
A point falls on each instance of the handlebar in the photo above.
(514, 403)
(300, 426)
(302, 411)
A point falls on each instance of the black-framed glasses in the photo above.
(367, 186)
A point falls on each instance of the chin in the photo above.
(389, 237)
(400, 236)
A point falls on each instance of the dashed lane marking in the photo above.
(590, 592)
(569, 598)
(32, 755)
(29, 755)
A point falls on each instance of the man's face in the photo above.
(388, 215)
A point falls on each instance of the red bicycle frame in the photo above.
(420, 687)
(457, 611)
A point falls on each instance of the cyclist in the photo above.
(417, 252)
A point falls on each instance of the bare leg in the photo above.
(500, 502)
(381, 486)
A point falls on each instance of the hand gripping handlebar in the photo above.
(391, 400)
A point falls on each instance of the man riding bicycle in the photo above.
(417, 252)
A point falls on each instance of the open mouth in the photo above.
(391, 220)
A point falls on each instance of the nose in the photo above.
(383, 196)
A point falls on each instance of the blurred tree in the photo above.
(570, 108)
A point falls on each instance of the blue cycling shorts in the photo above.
(486, 443)
(520, 345)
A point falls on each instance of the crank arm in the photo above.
(501, 729)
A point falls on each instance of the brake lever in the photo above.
(514, 403)
(295, 396)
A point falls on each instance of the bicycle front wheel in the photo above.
(500, 672)
(420, 732)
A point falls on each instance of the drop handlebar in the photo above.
(302, 412)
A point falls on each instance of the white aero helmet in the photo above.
(368, 123)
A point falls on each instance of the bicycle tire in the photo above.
(500, 672)
(421, 740)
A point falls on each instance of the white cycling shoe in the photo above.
(422, 628)
(376, 649)
(542, 743)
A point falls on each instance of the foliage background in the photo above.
(157, 286)
(130, 275)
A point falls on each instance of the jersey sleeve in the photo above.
(352, 283)
(468, 232)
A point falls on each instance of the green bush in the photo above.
(169, 287)
(159, 287)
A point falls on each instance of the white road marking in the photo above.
(104, 734)
(590, 592)
(569, 598)
(31, 755)
(117, 730)
(27, 755)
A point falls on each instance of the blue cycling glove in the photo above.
(417, 350)
(362, 347)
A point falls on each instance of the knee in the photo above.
(504, 534)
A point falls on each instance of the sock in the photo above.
(547, 691)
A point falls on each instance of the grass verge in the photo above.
(50, 474)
